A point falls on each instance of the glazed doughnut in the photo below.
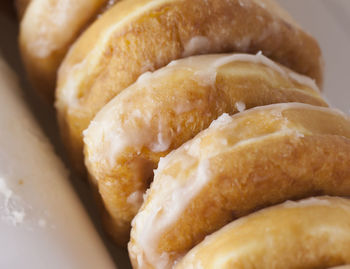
(125, 140)
(312, 233)
(256, 158)
(136, 36)
(47, 30)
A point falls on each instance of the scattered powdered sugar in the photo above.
(42, 223)
(5, 191)
(18, 216)
(10, 212)
(14, 211)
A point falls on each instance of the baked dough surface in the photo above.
(308, 234)
(257, 158)
(136, 36)
(164, 109)
(47, 30)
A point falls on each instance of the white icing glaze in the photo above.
(196, 45)
(207, 65)
(244, 43)
(135, 199)
(313, 201)
(285, 131)
(68, 96)
(39, 40)
(278, 108)
(164, 209)
(139, 130)
(192, 148)
(110, 3)
(173, 195)
(160, 214)
(164, 138)
(240, 106)
(184, 107)
(199, 44)
(323, 201)
(301, 80)
(117, 134)
(221, 121)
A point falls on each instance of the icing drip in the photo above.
(206, 68)
(141, 129)
(221, 121)
(196, 45)
(162, 216)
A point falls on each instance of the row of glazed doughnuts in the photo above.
(136, 121)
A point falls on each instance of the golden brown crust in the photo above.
(142, 35)
(312, 233)
(258, 158)
(163, 110)
(47, 30)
